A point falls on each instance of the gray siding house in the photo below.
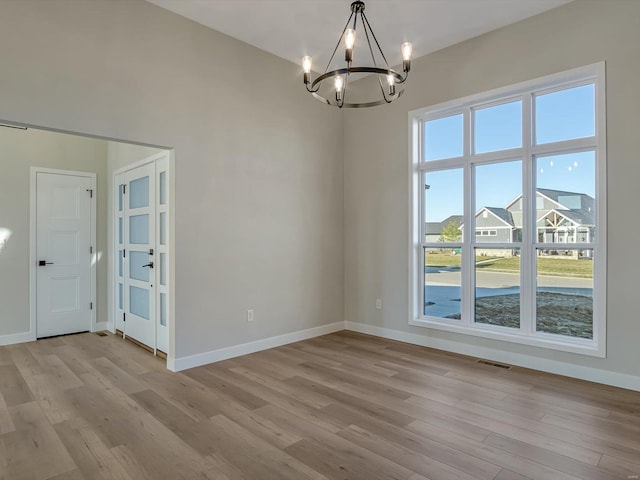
(561, 217)
(433, 230)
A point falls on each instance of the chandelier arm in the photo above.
(344, 91)
(384, 95)
(312, 90)
(400, 82)
(376, 40)
(338, 44)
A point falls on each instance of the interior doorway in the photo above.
(26, 152)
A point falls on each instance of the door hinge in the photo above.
(124, 253)
(91, 306)
(124, 189)
(90, 192)
(124, 317)
(91, 249)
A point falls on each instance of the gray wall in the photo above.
(19, 151)
(376, 163)
(123, 154)
(259, 172)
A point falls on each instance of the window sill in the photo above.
(542, 340)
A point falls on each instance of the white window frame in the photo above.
(526, 92)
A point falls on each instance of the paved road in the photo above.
(442, 287)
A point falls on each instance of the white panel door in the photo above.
(139, 255)
(63, 241)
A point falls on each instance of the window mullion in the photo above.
(527, 259)
(467, 277)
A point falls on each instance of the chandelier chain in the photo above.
(375, 39)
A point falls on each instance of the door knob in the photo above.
(150, 265)
(42, 263)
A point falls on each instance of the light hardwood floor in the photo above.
(342, 406)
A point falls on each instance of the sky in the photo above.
(559, 116)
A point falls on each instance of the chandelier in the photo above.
(331, 86)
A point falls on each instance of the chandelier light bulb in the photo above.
(392, 84)
(349, 38)
(306, 64)
(407, 49)
(306, 68)
(338, 83)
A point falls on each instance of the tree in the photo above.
(451, 232)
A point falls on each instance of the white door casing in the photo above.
(118, 241)
(129, 256)
(64, 273)
(162, 251)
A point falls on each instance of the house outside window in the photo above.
(523, 167)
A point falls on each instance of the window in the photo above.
(522, 167)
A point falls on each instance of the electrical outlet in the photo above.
(378, 304)
(250, 316)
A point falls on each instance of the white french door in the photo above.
(141, 263)
(64, 253)
(138, 256)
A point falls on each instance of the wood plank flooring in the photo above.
(342, 406)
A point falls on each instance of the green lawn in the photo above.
(438, 259)
(564, 267)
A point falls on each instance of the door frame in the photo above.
(33, 284)
(112, 246)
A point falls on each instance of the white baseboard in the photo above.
(31, 337)
(606, 377)
(183, 363)
(171, 363)
(17, 338)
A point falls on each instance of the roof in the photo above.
(577, 207)
(555, 194)
(582, 213)
(502, 213)
(580, 217)
(435, 228)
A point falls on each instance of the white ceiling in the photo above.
(293, 28)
